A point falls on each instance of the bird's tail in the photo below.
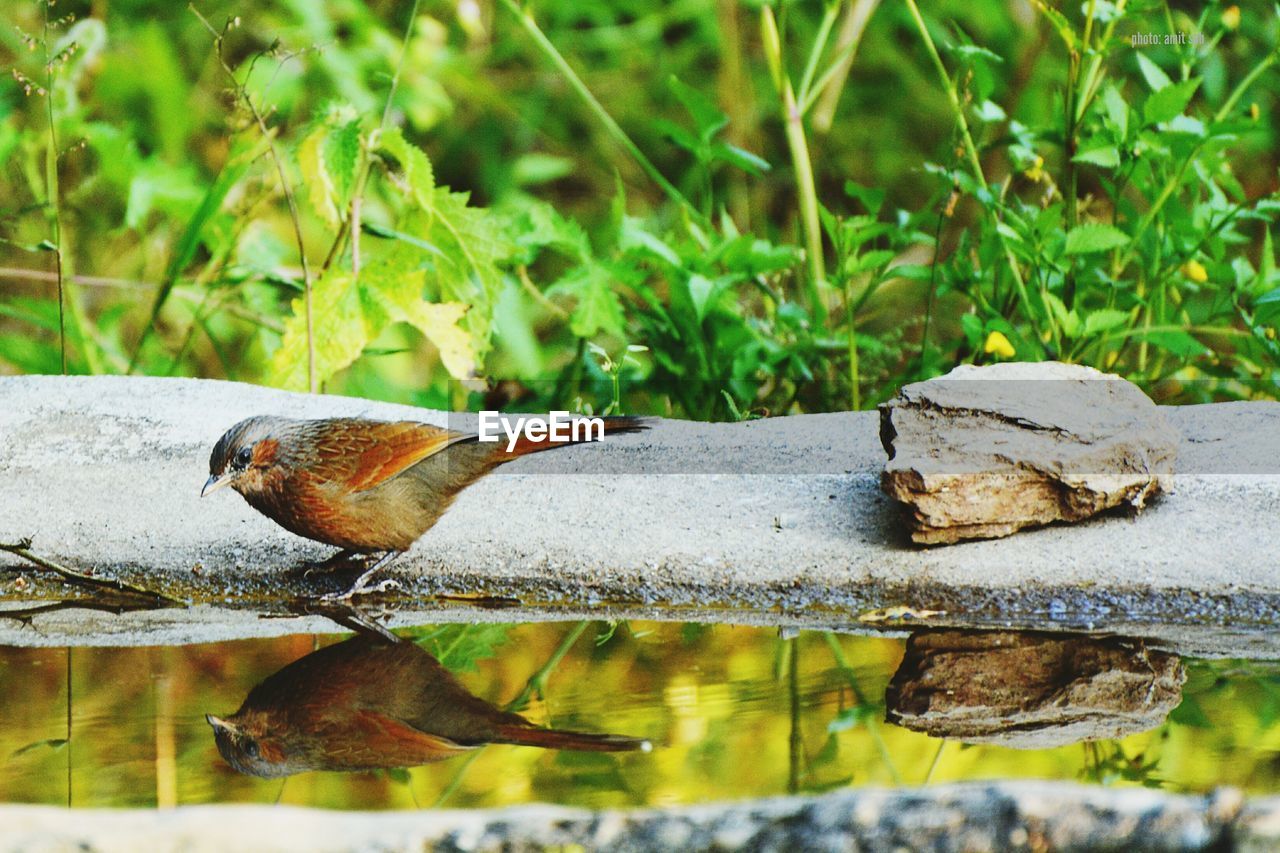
(587, 429)
(557, 739)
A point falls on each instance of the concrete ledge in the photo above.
(778, 521)
(1021, 815)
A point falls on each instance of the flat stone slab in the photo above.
(1015, 816)
(777, 521)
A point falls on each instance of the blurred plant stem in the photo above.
(795, 742)
(537, 683)
(68, 298)
(872, 724)
(831, 84)
(971, 150)
(242, 93)
(548, 50)
(798, 147)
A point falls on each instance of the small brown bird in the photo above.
(365, 704)
(362, 485)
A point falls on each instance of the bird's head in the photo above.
(247, 749)
(244, 455)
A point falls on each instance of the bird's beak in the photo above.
(215, 482)
(219, 723)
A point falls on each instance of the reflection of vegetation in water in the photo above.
(734, 712)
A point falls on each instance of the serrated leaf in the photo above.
(1104, 320)
(1108, 157)
(1094, 237)
(597, 307)
(327, 158)
(1117, 111)
(1169, 101)
(397, 293)
(338, 332)
(347, 313)
(415, 168)
(634, 236)
(1153, 74)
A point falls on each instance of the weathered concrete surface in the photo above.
(1011, 816)
(778, 521)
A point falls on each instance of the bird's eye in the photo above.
(243, 457)
(251, 748)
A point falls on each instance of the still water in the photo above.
(730, 712)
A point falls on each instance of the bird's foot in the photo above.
(362, 585)
(359, 588)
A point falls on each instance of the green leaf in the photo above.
(872, 198)
(53, 744)
(538, 168)
(460, 647)
(1108, 157)
(347, 313)
(386, 233)
(1068, 321)
(707, 117)
(1169, 101)
(1060, 24)
(328, 157)
(397, 293)
(740, 158)
(339, 332)
(597, 307)
(1155, 77)
(1117, 111)
(635, 236)
(1190, 713)
(419, 178)
(852, 716)
(1176, 342)
(1094, 237)
(1104, 320)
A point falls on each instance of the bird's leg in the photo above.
(361, 587)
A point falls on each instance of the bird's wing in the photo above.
(385, 736)
(390, 448)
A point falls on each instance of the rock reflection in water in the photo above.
(366, 704)
(1031, 690)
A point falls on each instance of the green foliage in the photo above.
(460, 647)
(730, 203)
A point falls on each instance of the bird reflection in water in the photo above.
(367, 704)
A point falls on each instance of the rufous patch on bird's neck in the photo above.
(264, 452)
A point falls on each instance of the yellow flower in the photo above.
(1036, 172)
(1231, 17)
(1195, 271)
(998, 345)
(1254, 112)
(1270, 333)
